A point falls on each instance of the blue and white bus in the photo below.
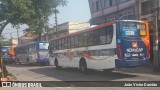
(121, 43)
(33, 52)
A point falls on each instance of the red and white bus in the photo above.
(103, 47)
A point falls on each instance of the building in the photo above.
(27, 37)
(103, 11)
(65, 28)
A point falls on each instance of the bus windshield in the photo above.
(132, 29)
(43, 46)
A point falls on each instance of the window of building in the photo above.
(98, 4)
(113, 2)
(93, 7)
(106, 3)
(121, 1)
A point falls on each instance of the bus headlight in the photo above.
(127, 55)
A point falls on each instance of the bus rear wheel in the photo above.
(83, 66)
(108, 70)
(57, 64)
(18, 61)
(28, 61)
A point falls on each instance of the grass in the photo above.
(12, 77)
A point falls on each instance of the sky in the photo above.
(76, 10)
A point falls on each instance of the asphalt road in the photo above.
(50, 73)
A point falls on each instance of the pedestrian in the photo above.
(3, 72)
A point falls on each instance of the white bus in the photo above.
(85, 50)
(103, 47)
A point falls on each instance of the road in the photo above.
(50, 73)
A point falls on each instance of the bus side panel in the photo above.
(108, 61)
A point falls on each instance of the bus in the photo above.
(120, 43)
(6, 54)
(33, 52)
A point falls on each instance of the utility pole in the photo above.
(56, 22)
(155, 38)
(18, 36)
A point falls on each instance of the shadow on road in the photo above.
(70, 74)
(26, 65)
(139, 70)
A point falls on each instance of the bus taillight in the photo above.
(148, 52)
(119, 52)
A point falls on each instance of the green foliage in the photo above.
(34, 13)
(5, 43)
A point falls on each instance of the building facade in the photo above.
(65, 28)
(103, 11)
(26, 38)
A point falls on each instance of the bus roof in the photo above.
(131, 20)
(33, 43)
(89, 29)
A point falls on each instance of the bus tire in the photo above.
(57, 64)
(108, 70)
(28, 61)
(18, 61)
(83, 66)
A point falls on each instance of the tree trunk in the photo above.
(3, 26)
(39, 37)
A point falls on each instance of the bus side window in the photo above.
(90, 38)
(72, 41)
(69, 43)
(76, 41)
(85, 39)
(96, 37)
(102, 36)
(109, 34)
(56, 45)
(60, 44)
(80, 39)
(63, 43)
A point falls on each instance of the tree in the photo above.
(30, 12)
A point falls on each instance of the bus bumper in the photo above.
(131, 63)
(43, 60)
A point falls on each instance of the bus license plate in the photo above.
(134, 63)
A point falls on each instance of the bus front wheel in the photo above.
(83, 66)
(108, 70)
